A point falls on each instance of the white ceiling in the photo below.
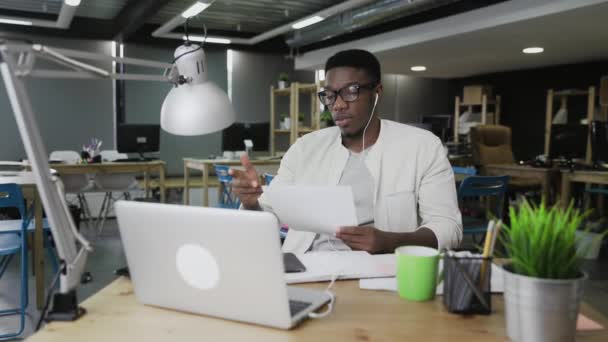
(489, 40)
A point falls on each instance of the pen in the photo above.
(366, 223)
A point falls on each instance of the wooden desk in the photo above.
(145, 167)
(204, 165)
(114, 315)
(589, 177)
(28, 187)
(540, 174)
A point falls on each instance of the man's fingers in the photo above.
(244, 183)
(247, 191)
(246, 163)
(350, 231)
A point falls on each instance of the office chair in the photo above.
(472, 193)
(227, 199)
(11, 244)
(77, 184)
(110, 183)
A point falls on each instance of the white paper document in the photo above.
(322, 266)
(390, 283)
(318, 209)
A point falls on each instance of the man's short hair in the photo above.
(359, 59)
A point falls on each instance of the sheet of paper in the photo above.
(322, 266)
(390, 283)
(319, 209)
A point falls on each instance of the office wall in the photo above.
(407, 98)
(69, 112)
(252, 75)
(524, 96)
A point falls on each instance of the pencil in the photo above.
(486, 252)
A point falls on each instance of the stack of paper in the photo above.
(323, 266)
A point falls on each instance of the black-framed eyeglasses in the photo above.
(349, 93)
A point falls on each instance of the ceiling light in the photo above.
(195, 9)
(213, 40)
(534, 49)
(15, 22)
(307, 22)
(418, 68)
(72, 2)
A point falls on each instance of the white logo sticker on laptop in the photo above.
(197, 267)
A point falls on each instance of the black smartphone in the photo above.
(292, 263)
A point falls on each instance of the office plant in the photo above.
(543, 281)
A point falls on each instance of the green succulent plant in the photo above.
(541, 241)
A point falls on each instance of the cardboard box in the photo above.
(473, 94)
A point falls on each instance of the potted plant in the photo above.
(543, 282)
(283, 79)
(300, 120)
(285, 122)
(326, 119)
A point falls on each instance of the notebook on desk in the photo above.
(323, 266)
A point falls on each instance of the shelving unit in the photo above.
(563, 96)
(484, 101)
(294, 92)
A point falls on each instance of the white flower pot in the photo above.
(286, 123)
(541, 310)
(282, 84)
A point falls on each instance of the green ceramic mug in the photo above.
(417, 272)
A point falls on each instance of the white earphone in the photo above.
(371, 115)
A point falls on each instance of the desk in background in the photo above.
(540, 174)
(205, 165)
(113, 314)
(145, 167)
(580, 176)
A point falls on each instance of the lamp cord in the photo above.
(200, 46)
(49, 294)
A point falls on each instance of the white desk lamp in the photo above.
(194, 106)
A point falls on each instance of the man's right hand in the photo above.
(246, 184)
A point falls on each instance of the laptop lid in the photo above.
(218, 262)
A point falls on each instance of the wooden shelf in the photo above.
(295, 130)
(571, 92)
(282, 92)
(490, 102)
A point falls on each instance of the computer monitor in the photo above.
(441, 125)
(599, 142)
(258, 133)
(138, 138)
(568, 141)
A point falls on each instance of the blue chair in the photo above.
(11, 244)
(469, 171)
(227, 199)
(472, 189)
(268, 178)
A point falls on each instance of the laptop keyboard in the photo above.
(295, 307)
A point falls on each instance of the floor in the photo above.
(108, 256)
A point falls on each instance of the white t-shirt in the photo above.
(356, 175)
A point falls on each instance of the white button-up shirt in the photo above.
(413, 181)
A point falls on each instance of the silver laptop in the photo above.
(217, 262)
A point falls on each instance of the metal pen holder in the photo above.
(463, 291)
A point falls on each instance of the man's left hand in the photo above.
(366, 238)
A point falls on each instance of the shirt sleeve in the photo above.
(437, 200)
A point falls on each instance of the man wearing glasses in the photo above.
(402, 182)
